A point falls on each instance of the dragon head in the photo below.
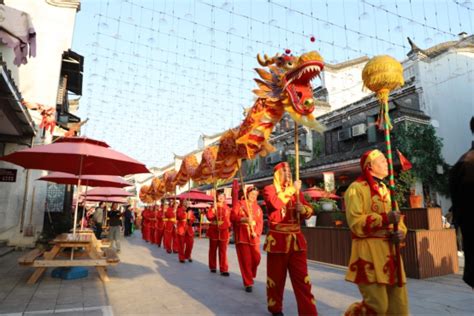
(295, 75)
(289, 83)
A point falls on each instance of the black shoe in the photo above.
(190, 260)
(175, 252)
(182, 261)
(248, 289)
(213, 270)
(168, 251)
(278, 314)
(225, 273)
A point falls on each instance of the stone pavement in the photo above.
(150, 281)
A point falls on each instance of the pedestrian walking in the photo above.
(98, 219)
(115, 226)
(128, 218)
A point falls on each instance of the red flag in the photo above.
(406, 164)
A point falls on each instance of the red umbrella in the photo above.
(195, 195)
(108, 192)
(112, 199)
(88, 180)
(77, 155)
(316, 193)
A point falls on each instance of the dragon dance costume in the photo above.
(286, 245)
(372, 265)
(247, 238)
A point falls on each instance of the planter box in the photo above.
(328, 244)
(426, 254)
(326, 219)
(423, 218)
(430, 253)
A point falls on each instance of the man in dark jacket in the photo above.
(115, 225)
(461, 184)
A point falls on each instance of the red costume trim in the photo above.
(359, 267)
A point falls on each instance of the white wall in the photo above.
(38, 82)
(344, 86)
(447, 83)
(448, 98)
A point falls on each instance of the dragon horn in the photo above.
(266, 61)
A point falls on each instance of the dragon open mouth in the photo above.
(298, 86)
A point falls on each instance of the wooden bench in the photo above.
(92, 255)
(30, 257)
(111, 256)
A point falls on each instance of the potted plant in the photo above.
(327, 204)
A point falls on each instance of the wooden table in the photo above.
(94, 256)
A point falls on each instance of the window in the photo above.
(371, 129)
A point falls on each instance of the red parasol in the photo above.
(195, 195)
(316, 193)
(77, 155)
(88, 180)
(112, 199)
(108, 192)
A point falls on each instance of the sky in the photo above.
(158, 74)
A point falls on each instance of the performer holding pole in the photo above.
(160, 224)
(285, 243)
(218, 233)
(248, 225)
(372, 212)
(169, 231)
(185, 231)
(372, 265)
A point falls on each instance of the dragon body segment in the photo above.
(285, 86)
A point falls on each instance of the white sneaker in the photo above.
(460, 254)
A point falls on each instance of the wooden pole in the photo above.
(249, 211)
(297, 167)
(297, 159)
(391, 185)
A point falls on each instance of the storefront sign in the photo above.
(7, 175)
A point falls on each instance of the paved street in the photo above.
(149, 281)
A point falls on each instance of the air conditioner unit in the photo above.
(344, 134)
(359, 129)
(273, 158)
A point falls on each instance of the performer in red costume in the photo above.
(185, 232)
(146, 224)
(285, 243)
(152, 220)
(170, 228)
(247, 231)
(218, 234)
(160, 225)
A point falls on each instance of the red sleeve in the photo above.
(210, 214)
(180, 214)
(271, 199)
